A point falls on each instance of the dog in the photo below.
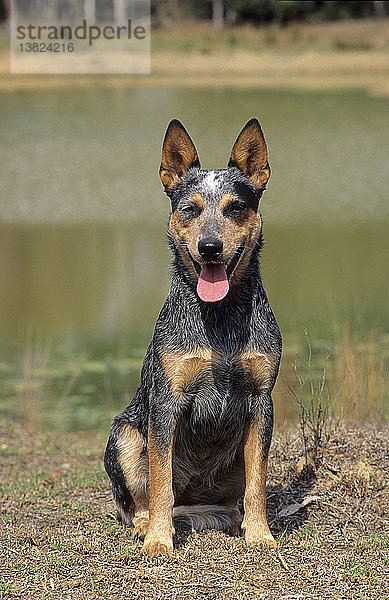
(196, 436)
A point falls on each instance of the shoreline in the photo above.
(307, 72)
(333, 57)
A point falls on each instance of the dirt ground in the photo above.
(59, 537)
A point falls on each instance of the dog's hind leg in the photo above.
(236, 519)
(126, 462)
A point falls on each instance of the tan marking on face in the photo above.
(186, 233)
(227, 199)
(183, 369)
(159, 538)
(255, 520)
(199, 200)
(259, 365)
(135, 465)
(235, 232)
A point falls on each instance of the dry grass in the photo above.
(352, 34)
(347, 377)
(360, 375)
(60, 539)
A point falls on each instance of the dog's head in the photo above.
(215, 224)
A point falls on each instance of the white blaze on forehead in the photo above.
(211, 181)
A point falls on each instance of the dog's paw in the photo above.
(153, 546)
(141, 523)
(235, 529)
(236, 523)
(260, 540)
(258, 536)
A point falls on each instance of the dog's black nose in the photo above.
(210, 248)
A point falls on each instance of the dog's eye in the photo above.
(234, 210)
(190, 211)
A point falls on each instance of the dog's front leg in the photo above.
(159, 537)
(256, 450)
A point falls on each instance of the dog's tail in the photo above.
(204, 516)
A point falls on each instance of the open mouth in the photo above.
(213, 283)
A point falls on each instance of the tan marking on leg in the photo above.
(255, 522)
(183, 369)
(135, 466)
(159, 537)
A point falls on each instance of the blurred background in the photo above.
(83, 259)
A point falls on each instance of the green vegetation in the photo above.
(50, 385)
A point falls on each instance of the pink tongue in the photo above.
(212, 285)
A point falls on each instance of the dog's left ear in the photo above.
(249, 154)
(178, 154)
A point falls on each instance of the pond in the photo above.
(84, 264)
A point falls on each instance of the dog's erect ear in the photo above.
(178, 154)
(249, 154)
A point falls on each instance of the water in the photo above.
(84, 268)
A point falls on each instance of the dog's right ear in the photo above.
(178, 154)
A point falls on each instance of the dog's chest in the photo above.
(202, 371)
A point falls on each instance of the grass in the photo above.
(346, 376)
(313, 416)
(59, 537)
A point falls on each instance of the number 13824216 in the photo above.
(44, 47)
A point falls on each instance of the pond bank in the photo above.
(328, 56)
